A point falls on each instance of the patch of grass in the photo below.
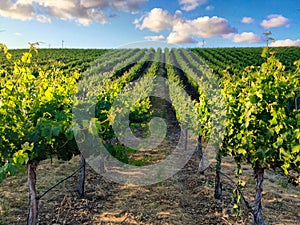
(140, 162)
(250, 181)
(3, 208)
(140, 129)
(283, 182)
(280, 205)
(206, 183)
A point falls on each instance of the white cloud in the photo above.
(183, 31)
(180, 38)
(59, 4)
(209, 8)
(128, 5)
(189, 5)
(157, 20)
(246, 37)
(21, 10)
(86, 12)
(228, 36)
(247, 20)
(18, 34)
(286, 42)
(155, 38)
(94, 3)
(274, 20)
(82, 11)
(203, 27)
(43, 19)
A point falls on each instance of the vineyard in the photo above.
(220, 123)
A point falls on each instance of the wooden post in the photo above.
(32, 218)
(199, 147)
(81, 176)
(259, 178)
(218, 184)
(200, 154)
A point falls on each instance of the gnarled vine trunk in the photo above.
(32, 218)
(259, 178)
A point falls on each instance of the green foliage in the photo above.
(108, 93)
(235, 60)
(35, 108)
(68, 60)
(185, 107)
(260, 122)
(112, 84)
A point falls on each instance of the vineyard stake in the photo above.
(82, 176)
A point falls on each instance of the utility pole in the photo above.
(266, 51)
(62, 44)
(268, 38)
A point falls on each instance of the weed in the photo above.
(283, 182)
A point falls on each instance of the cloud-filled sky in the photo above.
(113, 23)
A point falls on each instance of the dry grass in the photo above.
(186, 198)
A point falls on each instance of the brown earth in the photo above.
(186, 198)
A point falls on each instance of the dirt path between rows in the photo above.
(186, 198)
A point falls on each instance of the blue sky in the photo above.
(114, 23)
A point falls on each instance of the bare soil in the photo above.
(186, 198)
